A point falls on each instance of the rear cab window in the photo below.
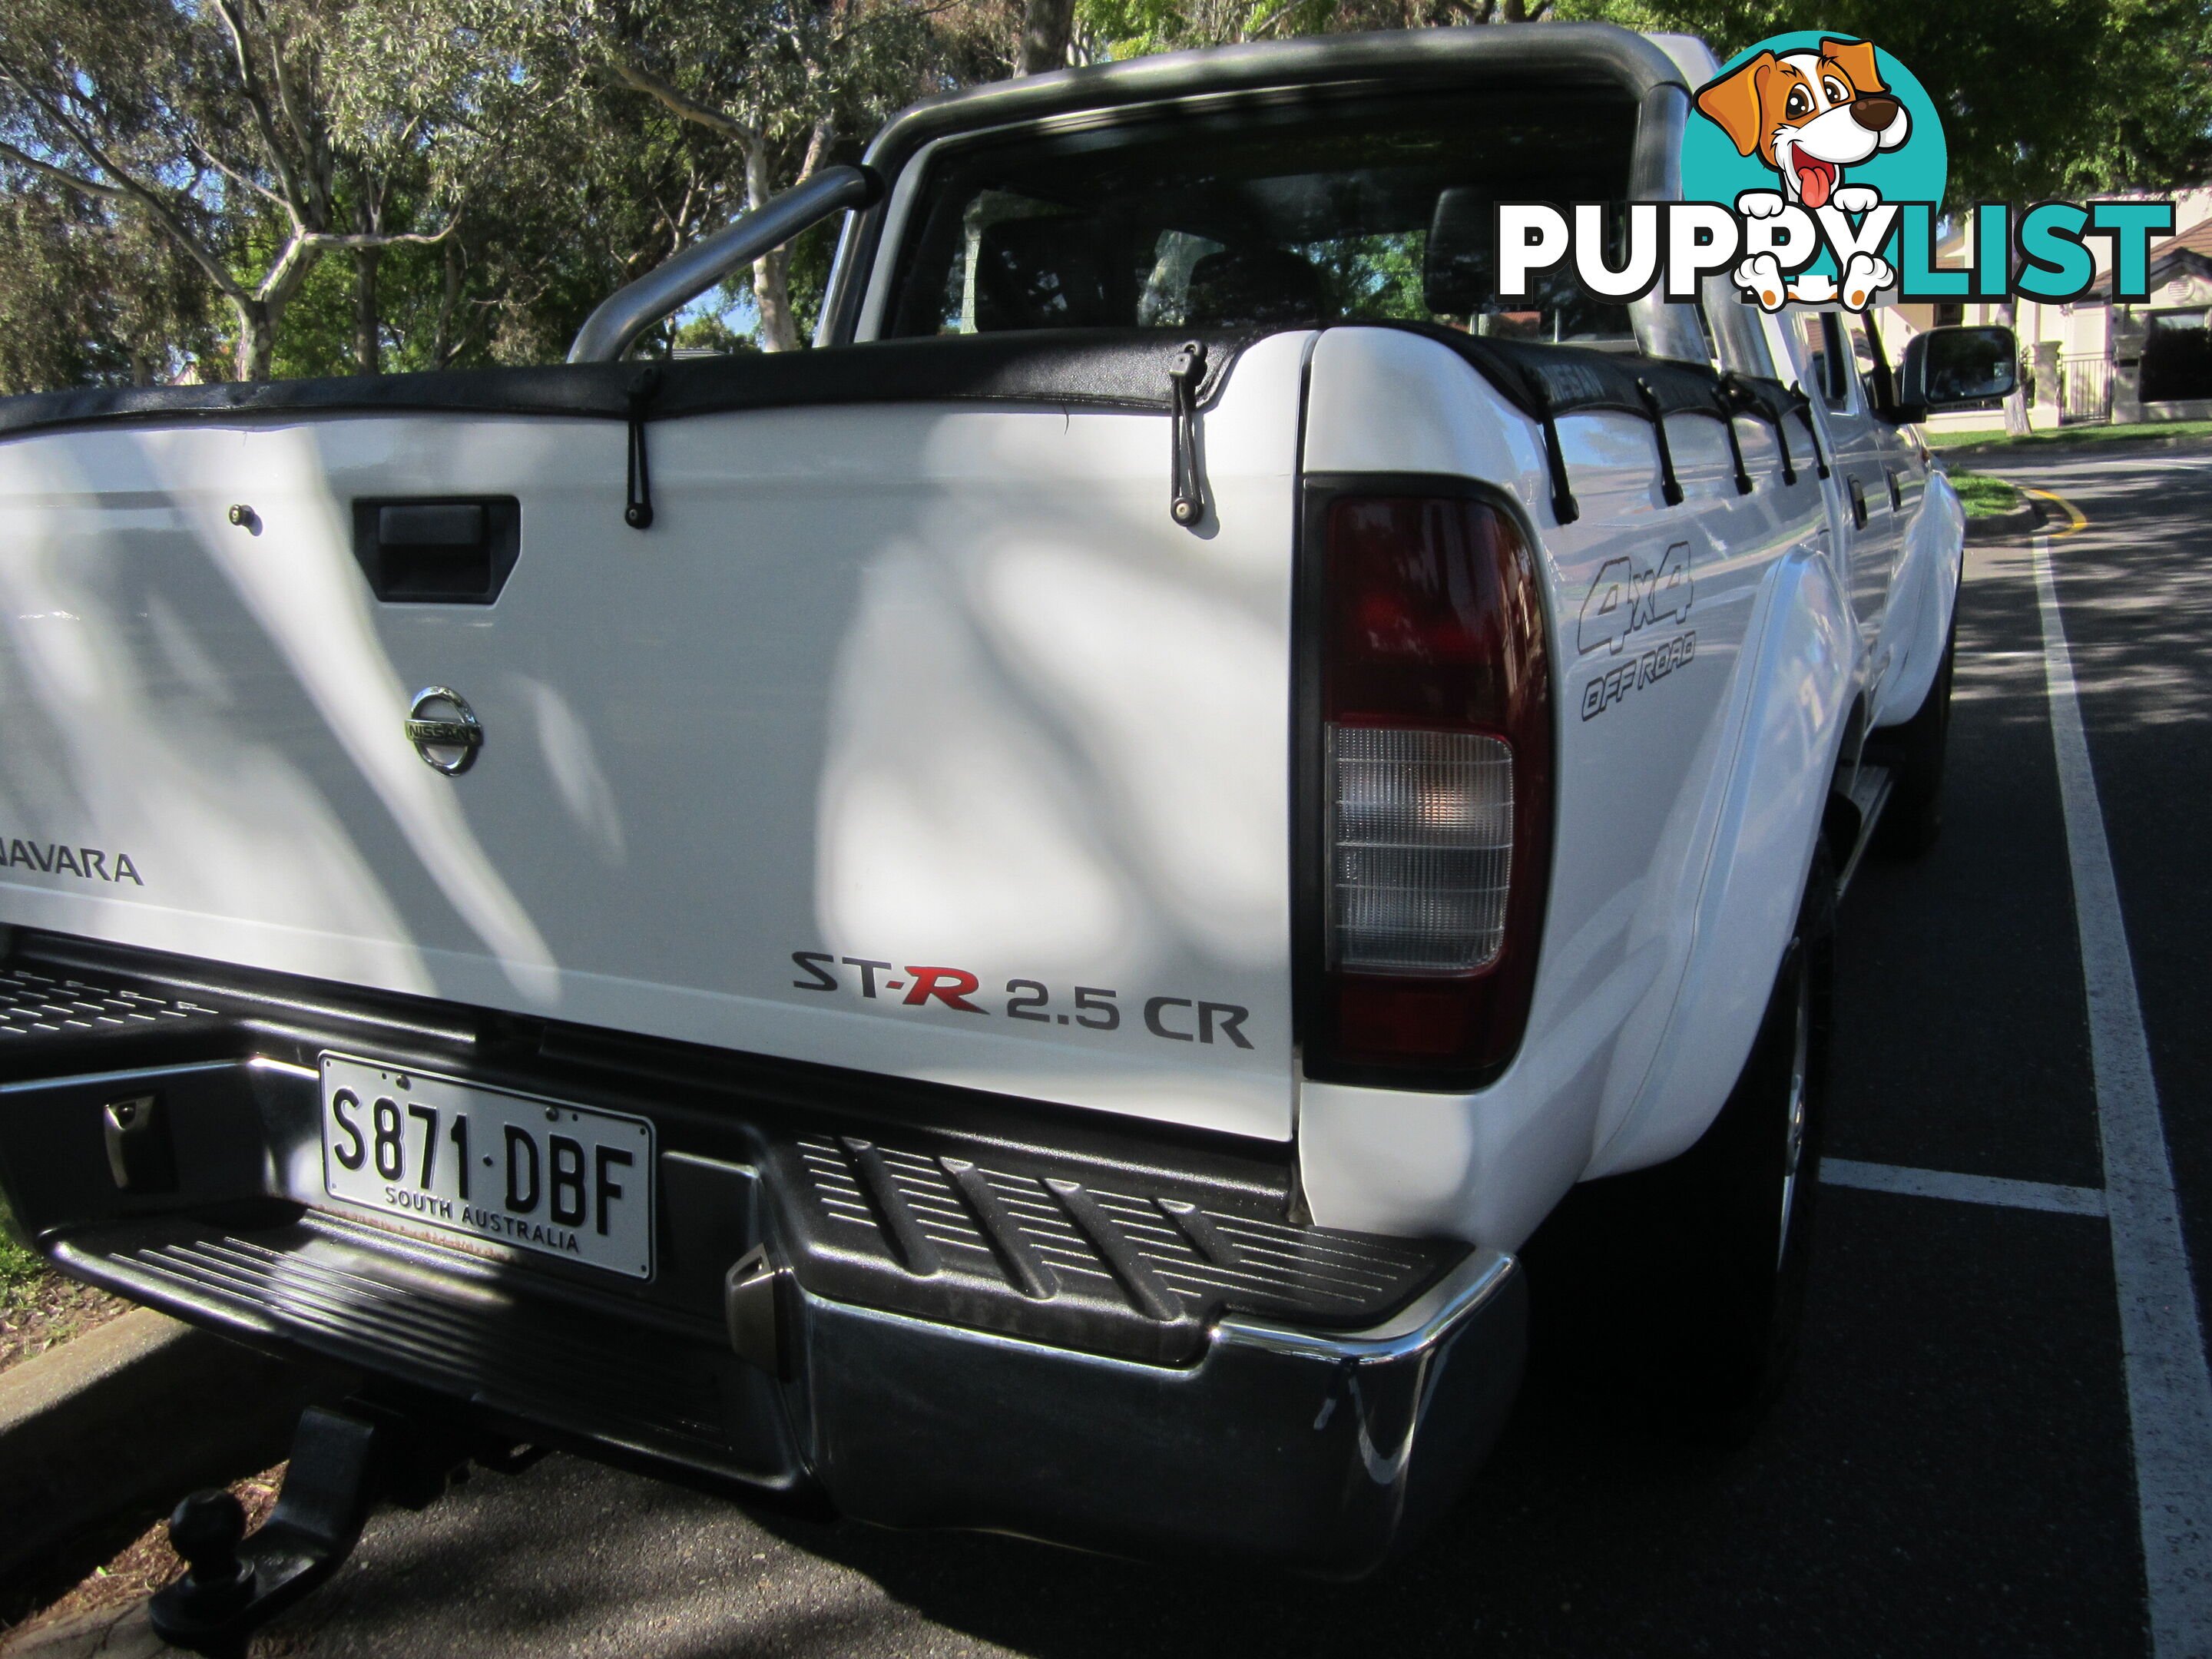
(1301, 212)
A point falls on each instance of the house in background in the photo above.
(2091, 361)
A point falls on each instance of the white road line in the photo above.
(2169, 1389)
(1962, 1189)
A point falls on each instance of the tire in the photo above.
(1684, 1284)
(1915, 752)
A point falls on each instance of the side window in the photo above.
(1862, 353)
(1832, 359)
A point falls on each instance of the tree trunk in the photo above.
(257, 338)
(779, 329)
(367, 332)
(443, 346)
(2016, 406)
(1046, 27)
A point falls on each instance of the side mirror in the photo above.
(1956, 369)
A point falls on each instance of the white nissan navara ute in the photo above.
(1011, 921)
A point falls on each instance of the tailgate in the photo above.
(915, 738)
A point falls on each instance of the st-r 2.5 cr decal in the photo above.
(1633, 593)
(1096, 1007)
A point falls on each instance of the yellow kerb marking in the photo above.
(2076, 519)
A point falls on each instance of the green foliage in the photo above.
(1131, 28)
(317, 337)
(1378, 276)
(810, 276)
(712, 333)
(88, 297)
(19, 1267)
(1983, 496)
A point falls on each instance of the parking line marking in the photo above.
(1962, 1189)
(2169, 1389)
(2078, 520)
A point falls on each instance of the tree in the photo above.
(90, 296)
(1129, 28)
(771, 85)
(225, 127)
(1046, 28)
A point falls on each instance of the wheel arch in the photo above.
(1805, 704)
(1924, 596)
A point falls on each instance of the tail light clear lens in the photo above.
(1435, 793)
(1421, 839)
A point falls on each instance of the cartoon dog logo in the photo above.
(1809, 115)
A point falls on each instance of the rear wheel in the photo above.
(1685, 1282)
(1915, 752)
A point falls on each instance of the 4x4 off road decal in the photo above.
(1607, 690)
(1094, 1007)
(1633, 593)
(1629, 595)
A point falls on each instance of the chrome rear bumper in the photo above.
(1119, 1343)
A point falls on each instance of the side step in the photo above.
(1868, 792)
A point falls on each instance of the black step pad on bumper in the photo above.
(1037, 1249)
(435, 1319)
(43, 1009)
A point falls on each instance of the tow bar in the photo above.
(343, 1461)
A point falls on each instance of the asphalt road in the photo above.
(1952, 1471)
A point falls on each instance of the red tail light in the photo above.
(1432, 790)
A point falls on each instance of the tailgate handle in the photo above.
(431, 524)
(447, 550)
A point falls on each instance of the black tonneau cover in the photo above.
(1102, 369)
(1118, 368)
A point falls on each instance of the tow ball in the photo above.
(343, 1461)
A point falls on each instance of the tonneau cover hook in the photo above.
(1725, 391)
(637, 502)
(1670, 486)
(1189, 503)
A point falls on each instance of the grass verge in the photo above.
(2066, 437)
(18, 1265)
(39, 1308)
(1983, 496)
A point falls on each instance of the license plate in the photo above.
(538, 1175)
